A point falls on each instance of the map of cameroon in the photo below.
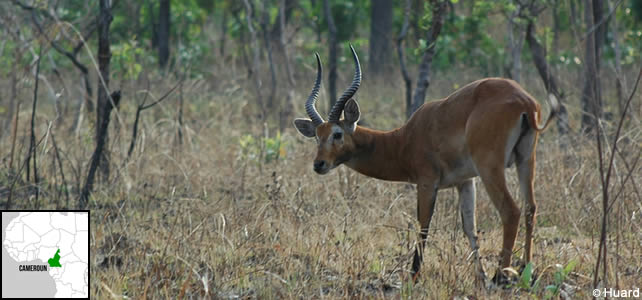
(45, 254)
(55, 261)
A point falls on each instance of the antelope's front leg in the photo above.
(426, 195)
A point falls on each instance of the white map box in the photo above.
(45, 254)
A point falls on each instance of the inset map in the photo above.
(45, 254)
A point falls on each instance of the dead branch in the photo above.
(100, 145)
(142, 107)
(32, 137)
(402, 59)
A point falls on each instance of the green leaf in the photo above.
(569, 268)
(558, 277)
(551, 291)
(526, 277)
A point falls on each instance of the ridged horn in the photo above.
(335, 113)
(309, 104)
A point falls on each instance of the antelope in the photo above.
(479, 130)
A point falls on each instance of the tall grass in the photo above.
(212, 217)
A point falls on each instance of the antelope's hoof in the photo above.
(501, 279)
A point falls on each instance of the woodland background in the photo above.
(172, 121)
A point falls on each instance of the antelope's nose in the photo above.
(319, 165)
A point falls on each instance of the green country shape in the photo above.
(55, 261)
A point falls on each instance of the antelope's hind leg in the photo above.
(466, 192)
(525, 164)
(488, 150)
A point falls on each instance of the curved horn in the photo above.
(335, 113)
(309, 104)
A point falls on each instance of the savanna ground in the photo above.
(235, 210)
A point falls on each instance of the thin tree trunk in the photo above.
(286, 112)
(417, 14)
(32, 136)
(550, 82)
(268, 45)
(332, 44)
(556, 28)
(104, 102)
(223, 33)
(153, 23)
(591, 100)
(380, 28)
(243, 44)
(62, 171)
(619, 79)
(515, 43)
(284, 49)
(600, 32)
(423, 80)
(13, 111)
(163, 32)
(255, 62)
(402, 59)
(100, 147)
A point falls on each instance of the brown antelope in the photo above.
(479, 130)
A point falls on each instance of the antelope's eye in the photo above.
(337, 135)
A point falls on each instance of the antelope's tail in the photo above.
(554, 110)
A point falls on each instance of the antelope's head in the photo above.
(334, 137)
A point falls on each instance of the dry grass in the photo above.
(205, 220)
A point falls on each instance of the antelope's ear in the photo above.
(351, 114)
(305, 127)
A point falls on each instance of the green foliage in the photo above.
(262, 150)
(525, 279)
(630, 34)
(550, 290)
(467, 40)
(348, 17)
(126, 59)
(635, 7)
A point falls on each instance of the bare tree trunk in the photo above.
(515, 43)
(417, 13)
(265, 19)
(163, 32)
(332, 44)
(556, 28)
(620, 84)
(284, 49)
(32, 136)
(223, 33)
(591, 98)
(13, 110)
(380, 29)
(255, 62)
(153, 23)
(100, 147)
(287, 111)
(104, 102)
(600, 33)
(423, 80)
(285, 11)
(550, 82)
(243, 44)
(402, 59)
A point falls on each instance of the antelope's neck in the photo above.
(379, 154)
